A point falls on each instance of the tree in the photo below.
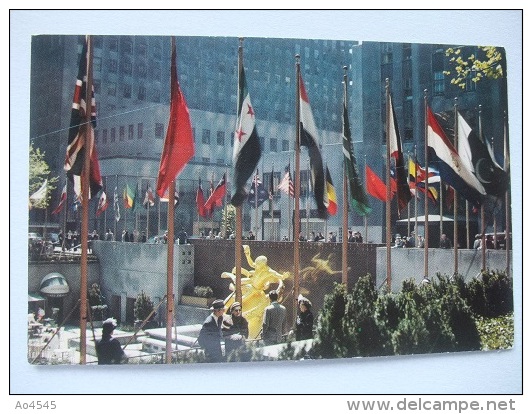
(487, 63)
(228, 220)
(38, 172)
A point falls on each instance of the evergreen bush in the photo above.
(143, 306)
(491, 294)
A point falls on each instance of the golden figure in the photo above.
(318, 269)
(255, 286)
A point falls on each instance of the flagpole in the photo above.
(297, 185)
(289, 201)
(388, 192)
(271, 206)
(308, 202)
(345, 197)
(441, 202)
(482, 212)
(494, 220)
(426, 237)
(170, 272)
(365, 216)
(256, 206)
(116, 205)
(415, 194)
(507, 195)
(85, 183)
(238, 235)
(455, 201)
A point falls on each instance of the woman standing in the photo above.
(305, 319)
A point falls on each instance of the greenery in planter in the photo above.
(491, 295)
(143, 306)
(203, 292)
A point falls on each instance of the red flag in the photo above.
(217, 196)
(376, 187)
(200, 201)
(61, 201)
(102, 204)
(179, 143)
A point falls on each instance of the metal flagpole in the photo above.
(415, 193)
(455, 201)
(494, 219)
(365, 215)
(271, 205)
(297, 186)
(308, 201)
(482, 212)
(85, 184)
(507, 194)
(426, 236)
(388, 191)
(116, 205)
(344, 198)
(257, 205)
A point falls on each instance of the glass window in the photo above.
(127, 91)
(285, 145)
(220, 138)
(140, 130)
(104, 136)
(159, 130)
(273, 144)
(97, 64)
(96, 134)
(111, 89)
(112, 66)
(142, 93)
(113, 43)
(206, 136)
(113, 134)
(127, 68)
(130, 131)
(122, 133)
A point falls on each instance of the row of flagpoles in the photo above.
(82, 166)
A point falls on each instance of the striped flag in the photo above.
(116, 205)
(81, 134)
(102, 204)
(61, 201)
(129, 197)
(330, 194)
(287, 185)
(200, 201)
(149, 200)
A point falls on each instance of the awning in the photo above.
(54, 285)
(35, 297)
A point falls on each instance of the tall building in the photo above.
(131, 81)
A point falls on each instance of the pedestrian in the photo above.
(108, 349)
(235, 329)
(182, 237)
(305, 319)
(273, 321)
(210, 335)
(445, 242)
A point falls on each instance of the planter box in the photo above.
(196, 301)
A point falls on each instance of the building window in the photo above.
(130, 131)
(122, 133)
(206, 136)
(141, 70)
(127, 68)
(407, 51)
(156, 95)
(159, 130)
(111, 89)
(142, 49)
(206, 160)
(96, 136)
(113, 43)
(220, 161)
(112, 66)
(140, 130)
(104, 136)
(127, 46)
(285, 145)
(127, 91)
(273, 144)
(142, 93)
(220, 138)
(97, 64)
(386, 53)
(97, 42)
(113, 134)
(157, 71)
(438, 78)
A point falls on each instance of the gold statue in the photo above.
(255, 285)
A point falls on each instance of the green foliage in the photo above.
(491, 294)
(38, 172)
(203, 292)
(496, 333)
(143, 306)
(487, 63)
(228, 220)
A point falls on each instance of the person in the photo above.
(398, 242)
(143, 237)
(210, 335)
(477, 244)
(332, 237)
(40, 314)
(108, 349)
(420, 241)
(358, 237)
(445, 243)
(182, 237)
(273, 321)
(254, 283)
(251, 236)
(305, 319)
(411, 241)
(235, 329)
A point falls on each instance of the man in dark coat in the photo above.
(273, 321)
(108, 349)
(210, 335)
(235, 329)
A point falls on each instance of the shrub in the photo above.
(143, 306)
(491, 294)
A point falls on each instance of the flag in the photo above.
(179, 142)
(246, 149)
(76, 204)
(359, 199)
(416, 178)
(287, 185)
(129, 197)
(396, 152)
(330, 194)
(200, 201)
(79, 133)
(116, 205)
(478, 156)
(137, 202)
(61, 201)
(258, 188)
(102, 204)
(217, 196)
(149, 200)
(40, 194)
(309, 139)
(165, 198)
(375, 186)
(452, 168)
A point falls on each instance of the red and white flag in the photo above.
(61, 201)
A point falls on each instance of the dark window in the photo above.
(97, 64)
(127, 46)
(97, 42)
(111, 89)
(438, 78)
(104, 136)
(113, 134)
(206, 136)
(130, 131)
(206, 160)
(112, 66)
(159, 130)
(285, 145)
(141, 70)
(122, 133)
(140, 130)
(127, 68)
(127, 91)
(113, 43)
(96, 85)
(96, 136)
(156, 95)
(142, 93)
(142, 49)
(220, 138)
(273, 144)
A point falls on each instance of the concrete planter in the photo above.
(196, 301)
